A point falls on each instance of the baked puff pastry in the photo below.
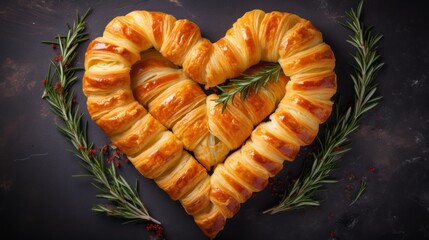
(199, 122)
(142, 81)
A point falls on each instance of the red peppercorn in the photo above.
(351, 176)
(59, 88)
(117, 163)
(157, 229)
(54, 46)
(372, 168)
(58, 57)
(44, 81)
(91, 152)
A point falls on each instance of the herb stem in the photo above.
(362, 188)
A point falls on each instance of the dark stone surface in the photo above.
(39, 198)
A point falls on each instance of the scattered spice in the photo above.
(332, 234)
(44, 81)
(59, 88)
(351, 177)
(58, 57)
(53, 46)
(113, 155)
(91, 152)
(372, 169)
(157, 229)
(278, 185)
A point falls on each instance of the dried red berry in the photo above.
(59, 88)
(91, 152)
(58, 57)
(157, 229)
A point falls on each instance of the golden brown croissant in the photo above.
(180, 104)
(137, 113)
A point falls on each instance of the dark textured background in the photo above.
(39, 198)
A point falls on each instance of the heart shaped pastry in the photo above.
(142, 79)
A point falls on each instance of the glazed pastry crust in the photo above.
(156, 112)
(199, 122)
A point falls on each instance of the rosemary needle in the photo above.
(124, 200)
(246, 83)
(362, 188)
(334, 142)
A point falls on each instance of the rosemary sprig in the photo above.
(334, 142)
(246, 83)
(362, 188)
(124, 200)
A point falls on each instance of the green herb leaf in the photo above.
(246, 83)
